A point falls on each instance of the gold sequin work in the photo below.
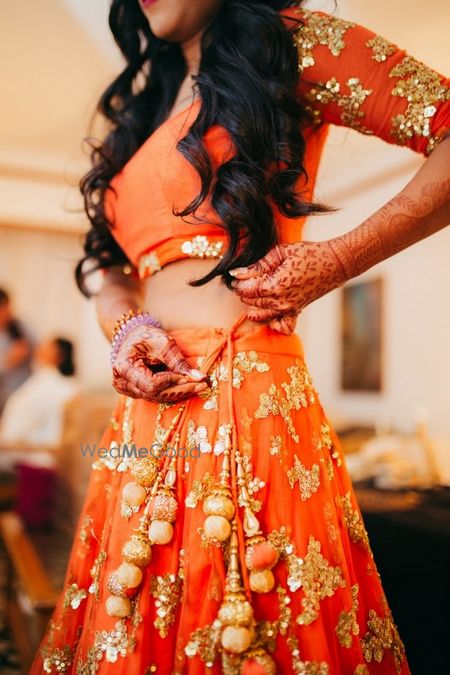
(381, 48)
(382, 635)
(349, 101)
(318, 581)
(200, 247)
(167, 591)
(301, 667)
(56, 660)
(73, 596)
(319, 29)
(353, 521)
(293, 395)
(422, 88)
(308, 479)
(347, 625)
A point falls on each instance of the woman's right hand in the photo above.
(150, 365)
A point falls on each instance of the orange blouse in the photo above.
(348, 76)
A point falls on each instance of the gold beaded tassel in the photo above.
(218, 506)
(124, 582)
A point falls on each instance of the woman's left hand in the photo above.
(287, 279)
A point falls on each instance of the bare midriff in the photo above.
(175, 304)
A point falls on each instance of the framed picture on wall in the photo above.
(361, 366)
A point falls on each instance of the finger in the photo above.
(284, 325)
(181, 392)
(261, 314)
(280, 306)
(266, 286)
(268, 263)
(176, 362)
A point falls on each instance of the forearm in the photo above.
(120, 293)
(419, 210)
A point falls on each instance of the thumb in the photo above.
(177, 363)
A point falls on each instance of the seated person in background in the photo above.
(15, 350)
(33, 415)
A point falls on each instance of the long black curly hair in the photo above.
(247, 81)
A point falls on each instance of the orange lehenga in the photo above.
(241, 548)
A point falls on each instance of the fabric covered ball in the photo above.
(145, 471)
(261, 581)
(129, 575)
(261, 556)
(115, 606)
(160, 532)
(137, 551)
(219, 505)
(163, 507)
(217, 527)
(238, 613)
(236, 639)
(134, 494)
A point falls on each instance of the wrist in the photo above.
(126, 323)
(345, 260)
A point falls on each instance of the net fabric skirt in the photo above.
(267, 566)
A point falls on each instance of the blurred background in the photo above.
(377, 350)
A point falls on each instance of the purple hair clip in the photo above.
(125, 324)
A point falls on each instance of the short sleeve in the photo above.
(351, 76)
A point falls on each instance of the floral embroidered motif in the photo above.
(200, 488)
(319, 29)
(197, 439)
(318, 581)
(253, 484)
(351, 102)
(85, 530)
(200, 247)
(204, 642)
(308, 479)
(381, 48)
(243, 362)
(353, 521)
(347, 625)
(301, 667)
(381, 635)
(148, 263)
(299, 392)
(361, 669)
(73, 596)
(56, 660)
(422, 88)
(167, 591)
(286, 551)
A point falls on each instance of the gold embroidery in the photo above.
(204, 642)
(56, 660)
(243, 362)
(197, 439)
(148, 263)
(286, 550)
(299, 392)
(347, 625)
(85, 530)
(112, 460)
(351, 102)
(382, 634)
(353, 521)
(95, 573)
(111, 644)
(200, 247)
(422, 88)
(361, 669)
(167, 591)
(253, 484)
(381, 48)
(319, 29)
(305, 667)
(73, 596)
(318, 581)
(200, 489)
(308, 479)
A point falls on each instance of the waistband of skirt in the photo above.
(203, 340)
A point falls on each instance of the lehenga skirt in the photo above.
(221, 534)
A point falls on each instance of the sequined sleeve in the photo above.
(353, 77)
